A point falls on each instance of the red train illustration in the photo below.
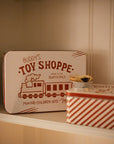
(39, 88)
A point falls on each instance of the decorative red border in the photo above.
(90, 95)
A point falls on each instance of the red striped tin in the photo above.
(94, 108)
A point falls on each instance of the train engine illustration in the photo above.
(33, 88)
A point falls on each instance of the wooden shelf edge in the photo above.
(56, 126)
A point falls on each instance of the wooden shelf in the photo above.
(55, 121)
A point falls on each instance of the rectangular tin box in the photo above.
(94, 108)
(36, 81)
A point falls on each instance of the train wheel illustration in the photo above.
(30, 96)
(62, 94)
(40, 95)
(24, 96)
(54, 94)
(48, 95)
(35, 95)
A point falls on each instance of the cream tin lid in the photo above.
(22, 68)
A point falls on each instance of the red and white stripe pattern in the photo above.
(29, 110)
(78, 53)
(92, 112)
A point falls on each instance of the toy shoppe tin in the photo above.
(36, 81)
(92, 107)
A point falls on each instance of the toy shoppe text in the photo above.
(33, 66)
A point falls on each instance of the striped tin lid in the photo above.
(97, 91)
